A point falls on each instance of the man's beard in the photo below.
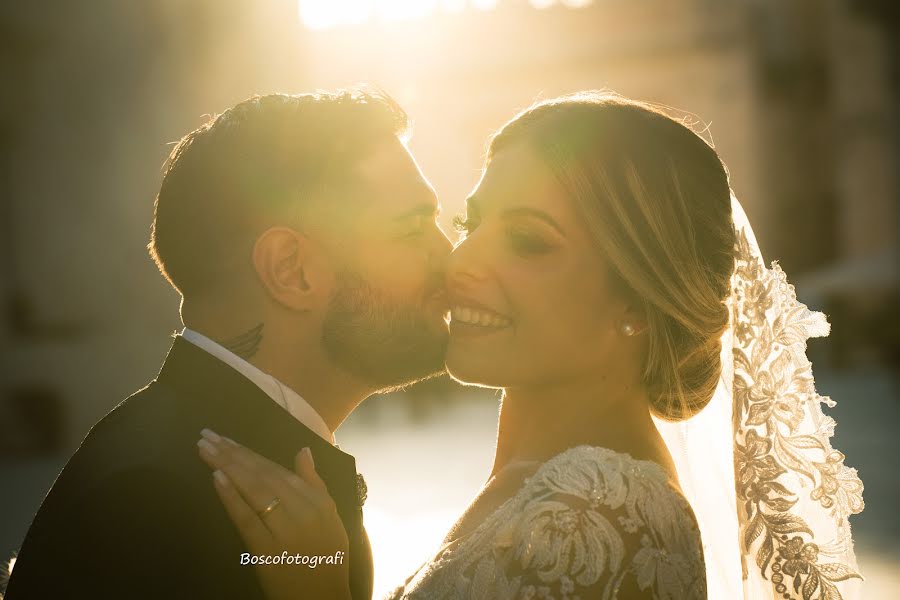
(384, 342)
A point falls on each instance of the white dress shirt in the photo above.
(284, 396)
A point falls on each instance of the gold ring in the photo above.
(271, 506)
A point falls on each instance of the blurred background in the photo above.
(800, 98)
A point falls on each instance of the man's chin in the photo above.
(438, 324)
(387, 345)
(408, 382)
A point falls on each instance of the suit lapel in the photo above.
(238, 408)
(214, 395)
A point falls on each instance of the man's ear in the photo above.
(284, 262)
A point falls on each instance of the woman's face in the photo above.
(531, 301)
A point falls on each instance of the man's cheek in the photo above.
(403, 282)
(392, 262)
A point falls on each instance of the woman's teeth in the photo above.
(474, 316)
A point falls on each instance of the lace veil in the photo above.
(771, 495)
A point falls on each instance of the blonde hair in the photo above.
(656, 200)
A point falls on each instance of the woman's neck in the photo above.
(539, 422)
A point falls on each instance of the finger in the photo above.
(301, 508)
(226, 449)
(253, 531)
(219, 452)
(258, 492)
(305, 467)
(301, 495)
(212, 455)
(283, 481)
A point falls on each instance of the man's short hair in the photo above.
(255, 166)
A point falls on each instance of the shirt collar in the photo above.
(281, 394)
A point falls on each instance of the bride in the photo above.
(609, 283)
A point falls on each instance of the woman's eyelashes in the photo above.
(527, 243)
(521, 239)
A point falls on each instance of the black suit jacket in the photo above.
(134, 513)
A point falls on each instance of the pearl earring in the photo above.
(628, 329)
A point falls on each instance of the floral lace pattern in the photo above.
(588, 523)
(785, 466)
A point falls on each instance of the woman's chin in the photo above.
(468, 370)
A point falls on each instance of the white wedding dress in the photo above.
(590, 523)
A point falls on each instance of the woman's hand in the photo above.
(283, 516)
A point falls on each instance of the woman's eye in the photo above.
(527, 244)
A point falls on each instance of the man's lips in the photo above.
(438, 299)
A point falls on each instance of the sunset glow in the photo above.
(326, 14)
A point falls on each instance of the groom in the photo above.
(302, 238)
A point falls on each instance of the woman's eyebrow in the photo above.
(525, 211)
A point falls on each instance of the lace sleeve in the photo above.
(619, 532)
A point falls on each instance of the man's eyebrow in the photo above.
(524, 211)
(422, 210)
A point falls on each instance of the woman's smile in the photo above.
(469, 318)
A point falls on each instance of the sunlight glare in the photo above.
(402, 542)
(403, 10)
(325, 14)
(453, 6)
(484, 4)
(577, 3)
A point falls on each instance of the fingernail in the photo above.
(211, 435)
(204, 444)
(309, 456)
(221, 478)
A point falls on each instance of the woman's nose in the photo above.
(466, 262)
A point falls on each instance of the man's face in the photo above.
(385, 322)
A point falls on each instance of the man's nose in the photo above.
(442, 246)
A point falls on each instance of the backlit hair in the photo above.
(254, 166)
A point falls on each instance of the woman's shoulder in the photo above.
(600, 475)
(594, 520)
(588, 523)
(599, 487)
